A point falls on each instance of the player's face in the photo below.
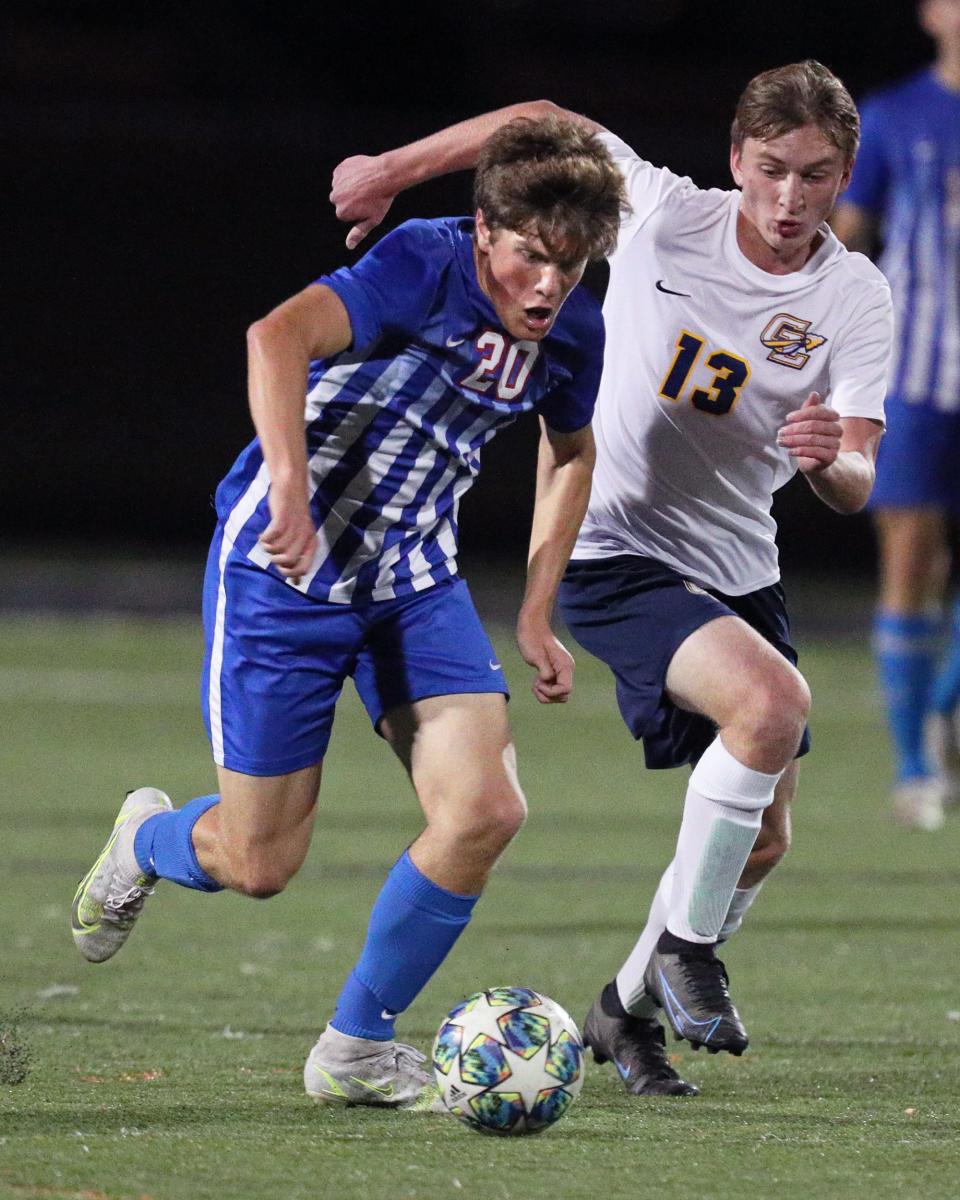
(941, 20)
(790, 185)
(526, 283)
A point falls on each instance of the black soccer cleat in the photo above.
(690, 983)
(637, 1048)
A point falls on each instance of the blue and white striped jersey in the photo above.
(395, 424)
(908, 174)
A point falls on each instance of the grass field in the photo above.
(173, 1071)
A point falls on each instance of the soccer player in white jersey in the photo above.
(743, 343)
(907, 185)
(335, 555)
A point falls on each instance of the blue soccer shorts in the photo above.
(276, 661)
(918, 465)
(633, 613)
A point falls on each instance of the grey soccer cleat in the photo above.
(352, 1070)
(110, 896)
(637, 1048)
(691, 985)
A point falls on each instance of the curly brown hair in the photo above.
(553, 178)
(803, 93)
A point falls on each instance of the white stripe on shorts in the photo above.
(241, 513)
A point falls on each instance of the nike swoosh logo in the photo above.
(451, 342)
(495, 666)
(670, 291)
(386, 1092)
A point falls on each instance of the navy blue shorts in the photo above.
(633, 613)
(276, 661)
(918, 464)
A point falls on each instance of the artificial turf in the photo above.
(173, 1071)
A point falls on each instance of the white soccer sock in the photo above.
(742, 899)
(721, 817)
(630, 986)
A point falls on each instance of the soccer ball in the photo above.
(508, 1060)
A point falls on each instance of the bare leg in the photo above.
(461, 761)
(255, 840)
(914, 558)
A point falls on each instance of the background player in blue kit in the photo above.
(906, 186)
(335, 555)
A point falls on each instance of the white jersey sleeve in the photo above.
(861, 361)
(647, 186)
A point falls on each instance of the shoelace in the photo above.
(709, 977)
(651, 1055)
(121, 905)
(405, 1055)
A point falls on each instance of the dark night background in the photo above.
(166, 175)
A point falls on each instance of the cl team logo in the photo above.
(788, 341)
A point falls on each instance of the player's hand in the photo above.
(360, 194)
(812, 435)
(550, 659)
(291, 537)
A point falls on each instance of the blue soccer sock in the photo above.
(905, 652)
(413, 926)
(946, 689)
(163, 846)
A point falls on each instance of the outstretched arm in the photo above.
(364, 186)
(312, 324)
(837, 454)
(564, 470)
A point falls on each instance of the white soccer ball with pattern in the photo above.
(508, 1060)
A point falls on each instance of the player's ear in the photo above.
(735, 164)
(845, 177)
(483, 232)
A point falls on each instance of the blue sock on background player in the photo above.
(413, 926)
(905, 648)
(163, 846)
(946, 689)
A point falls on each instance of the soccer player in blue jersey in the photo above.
(907, 186)
(335, 556)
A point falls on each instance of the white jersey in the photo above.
(706, 354)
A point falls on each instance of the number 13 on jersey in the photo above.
(730, 373)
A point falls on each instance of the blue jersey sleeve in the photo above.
(576, 362)
(870, 173)
(391, 290)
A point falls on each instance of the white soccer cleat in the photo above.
(943, 744)
(111, 895)
(918, 804)
(352, 1070)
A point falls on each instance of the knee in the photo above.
(259, 877)
(776, 709)
(507, 801)
(485, 817)
(508, 814)
(494, 816)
